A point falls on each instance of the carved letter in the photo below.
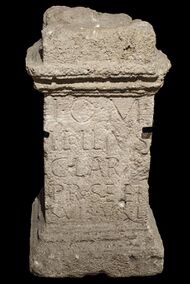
(97, 166)
(112, 164)
(59, 167)
(66, 140)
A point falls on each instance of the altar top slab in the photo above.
(82, 42)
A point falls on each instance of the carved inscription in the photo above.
(104, 167)
(86, 139)
(82, 110)
(90, 161)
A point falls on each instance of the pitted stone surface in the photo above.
(98, 73)
(95, 36)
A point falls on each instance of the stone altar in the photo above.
(98, 74)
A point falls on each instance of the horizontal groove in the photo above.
(95, 79)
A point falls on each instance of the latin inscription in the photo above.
(99, 200)
(94, 139)
(77, 166)
(89, 162)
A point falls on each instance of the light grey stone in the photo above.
(99, 74)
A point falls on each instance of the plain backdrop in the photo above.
(25, 168)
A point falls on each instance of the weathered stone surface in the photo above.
(99, 73)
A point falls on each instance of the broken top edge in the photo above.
(82, 42)
(81, 17)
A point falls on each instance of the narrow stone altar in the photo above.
(99, 74)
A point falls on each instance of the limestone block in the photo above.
(99, 74)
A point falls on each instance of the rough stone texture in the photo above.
(98, 73)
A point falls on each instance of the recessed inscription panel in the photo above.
(96, 162)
